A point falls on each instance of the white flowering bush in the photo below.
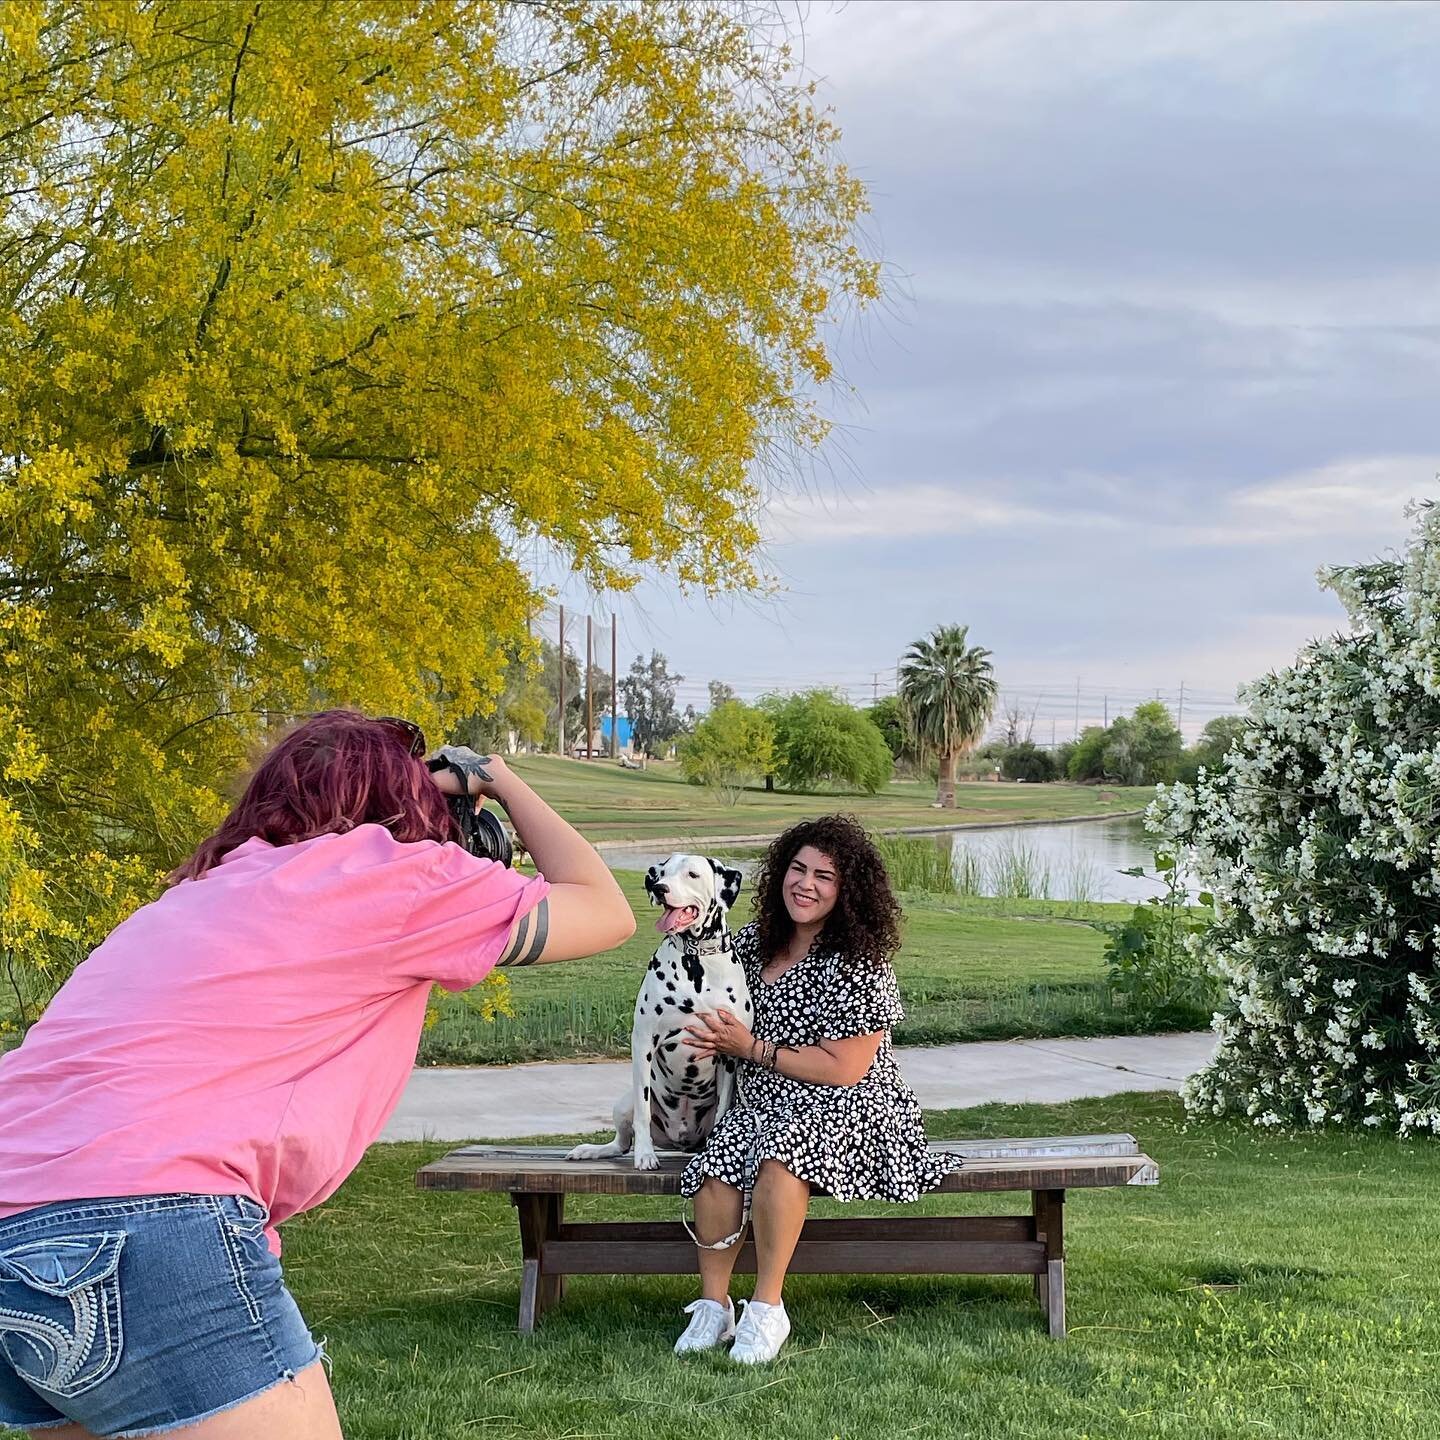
(1319, 837)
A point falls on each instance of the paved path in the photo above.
(505, 1102)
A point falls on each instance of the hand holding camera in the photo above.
(486, 774)
(462, 774)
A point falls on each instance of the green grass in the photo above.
(1269, 1286)
(608, 803)
(969, 969)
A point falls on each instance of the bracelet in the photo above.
(772, 1054)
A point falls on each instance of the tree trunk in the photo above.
(945, 790)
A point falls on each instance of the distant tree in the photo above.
(948, 689)
(820, 737)
(1019, 723)
(720, 692)
(1157, 742)
(731, 747)
(888, 717)
(1086, 760)
(1217, 739)
(648, 692)
(519, 715)
(1119, 761)
(1139, 749)
(1027, 761)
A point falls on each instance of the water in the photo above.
(1059, 862)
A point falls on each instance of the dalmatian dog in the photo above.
(693, 969)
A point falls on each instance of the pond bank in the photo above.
(672, 841)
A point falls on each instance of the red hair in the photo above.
(331, 773)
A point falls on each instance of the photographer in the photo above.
(222, 1061)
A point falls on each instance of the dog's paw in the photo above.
(646, 1160)
(590, 1152)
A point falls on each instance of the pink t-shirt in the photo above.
(250, 1032)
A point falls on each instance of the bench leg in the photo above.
(1055, 1298)
(540, 1217)
(1049, 1209)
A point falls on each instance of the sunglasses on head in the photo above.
(414, 736)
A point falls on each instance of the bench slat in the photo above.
(891, 1226)
(1046, 1145)
(542, 1174)
(827, 1257)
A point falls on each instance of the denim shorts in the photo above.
(136, 1316)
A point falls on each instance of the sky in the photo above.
(1162, 339)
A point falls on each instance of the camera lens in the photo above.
(481, 833)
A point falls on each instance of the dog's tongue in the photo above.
(676, 919)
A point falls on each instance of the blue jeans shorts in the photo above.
(136, 1316)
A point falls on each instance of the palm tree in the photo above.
(948, 691)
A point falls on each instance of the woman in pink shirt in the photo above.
(222, 1061)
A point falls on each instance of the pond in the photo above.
(1061, 862)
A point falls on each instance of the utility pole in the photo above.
(1077, 707)
(1180, 722)
(1107, 712)
(875, 697)
(1052, 732)
(562, 679)
(614, 692)
(589, 687)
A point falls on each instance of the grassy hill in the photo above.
(608, 803)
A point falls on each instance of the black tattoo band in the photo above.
(521, 930)
(542, 933)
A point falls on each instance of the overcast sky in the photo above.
(1164, 338)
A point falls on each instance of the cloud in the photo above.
(894, 513)
(1355, 500)
(1350, 497)
(1165, 339)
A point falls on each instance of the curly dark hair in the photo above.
(864, 926)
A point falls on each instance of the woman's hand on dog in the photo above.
(720, 1032)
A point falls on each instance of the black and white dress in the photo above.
(855, 1142)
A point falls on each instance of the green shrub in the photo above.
(1153, 957)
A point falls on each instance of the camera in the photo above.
(481, 833)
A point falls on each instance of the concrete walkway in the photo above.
(505, 1102)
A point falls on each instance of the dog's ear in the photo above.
(729, 881)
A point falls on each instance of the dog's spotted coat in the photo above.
(693, 969)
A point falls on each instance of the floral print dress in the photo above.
(853, 1142)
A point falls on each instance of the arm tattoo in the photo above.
(462, 757)
(518, 944)
(513, 955)
(542, 933)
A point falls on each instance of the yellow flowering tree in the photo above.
(316, 317)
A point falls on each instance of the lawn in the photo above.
(970, 969)
(608, 803)
(1271, 1285)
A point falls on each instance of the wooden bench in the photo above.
(538, 1178)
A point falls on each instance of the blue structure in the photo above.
(623, 725)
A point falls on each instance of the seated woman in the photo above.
(821, 1102)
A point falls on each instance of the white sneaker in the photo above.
(760, 1333)
(711, 1324)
